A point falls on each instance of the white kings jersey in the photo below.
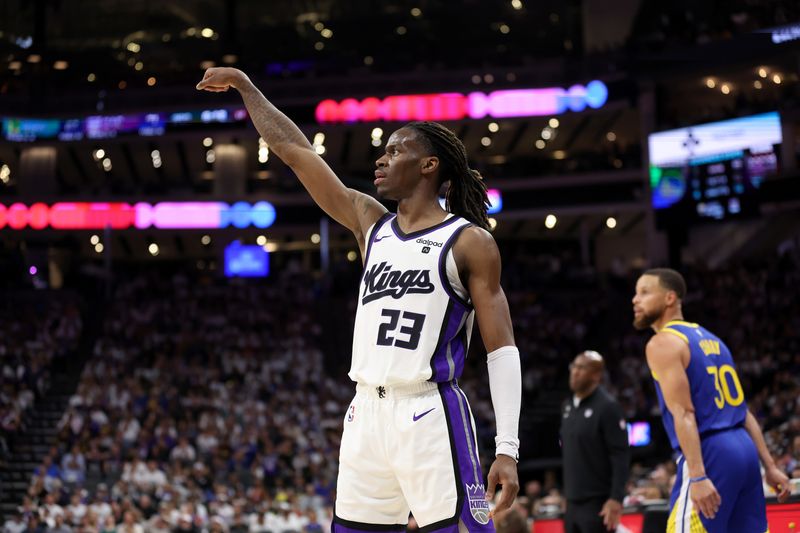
(414, 317)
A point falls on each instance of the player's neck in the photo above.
(666, 318)
(414, 214)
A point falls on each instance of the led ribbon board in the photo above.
(110, 126)
(163, 215)
(456, 106)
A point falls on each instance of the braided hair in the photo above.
(466, 195)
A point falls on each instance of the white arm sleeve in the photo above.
(505, 385)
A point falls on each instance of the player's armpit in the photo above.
(478, 261)
(367, 211)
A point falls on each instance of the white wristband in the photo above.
(505, 385)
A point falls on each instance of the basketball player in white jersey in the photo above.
(409, 440)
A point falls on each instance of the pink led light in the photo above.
(91, 215)
(38, 216)
(144, 215)
(165, 215)
(17, 216)
(455, 106)
(515, 103)
(187, 215)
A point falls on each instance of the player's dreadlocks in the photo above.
(466, 196)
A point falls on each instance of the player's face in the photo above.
(400, 167)
(649, 302)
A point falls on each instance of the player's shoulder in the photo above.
(475, 238)
(664, 346)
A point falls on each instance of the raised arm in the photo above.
(478, 263)
(776, 478)
(667, 356)
(353, 209)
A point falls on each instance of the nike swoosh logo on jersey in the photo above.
(417, 417)
(378, 239)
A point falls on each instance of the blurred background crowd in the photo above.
(212, 404)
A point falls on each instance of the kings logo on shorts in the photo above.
(380, 281)
(478, 506)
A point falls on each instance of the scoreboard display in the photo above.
(713, 171)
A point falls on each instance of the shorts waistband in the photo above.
(712, 432)
(381, 392)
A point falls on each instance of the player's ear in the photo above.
(429, 164)
(671, 297)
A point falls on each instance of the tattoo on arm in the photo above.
(275, 127)
(364, 205)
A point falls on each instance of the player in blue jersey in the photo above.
(409, 439)
(706, 417)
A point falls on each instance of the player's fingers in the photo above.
(505, 501)
(713, 506)
(491, 484)
(704, 506)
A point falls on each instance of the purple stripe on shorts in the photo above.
(474, 507)
(453, 528)
(339, 528)
(451, 337)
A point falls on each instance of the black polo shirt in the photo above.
(594, 446)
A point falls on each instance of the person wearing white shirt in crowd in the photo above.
(151, 478)
(99, 507)
(130, 524)
(129, 430)
(50, 510)
(14, 524)
(76, 509)
(183, 452)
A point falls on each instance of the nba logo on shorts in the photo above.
(351, 413)
(478, 506)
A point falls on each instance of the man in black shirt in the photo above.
(594, 445)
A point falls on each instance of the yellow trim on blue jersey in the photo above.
(682, 323)
(655, 377)
(676, 333)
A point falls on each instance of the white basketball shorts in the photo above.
(410, 448)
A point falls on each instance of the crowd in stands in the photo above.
(209, 405)
(34, 334)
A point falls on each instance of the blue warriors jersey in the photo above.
(716, 391)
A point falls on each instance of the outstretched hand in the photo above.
(220, 79)
(504, 472)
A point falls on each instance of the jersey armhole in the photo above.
(370, 235)
(676, 333)
(443, 263)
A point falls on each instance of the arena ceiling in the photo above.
(173, 41)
